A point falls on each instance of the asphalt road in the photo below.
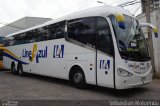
(34, 87)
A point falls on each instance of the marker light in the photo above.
(120, 20)
(155, 30)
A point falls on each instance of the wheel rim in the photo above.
(78, 77)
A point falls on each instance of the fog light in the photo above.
(124, 73)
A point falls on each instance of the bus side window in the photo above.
(10, 41)
(29, 35)
(41, 35)
(16, 39)
(83, 30)
(24, 38)
(50, 29)
(59, 31)
(55, 31)
(104, 37)
(7, 41)
(19, 39)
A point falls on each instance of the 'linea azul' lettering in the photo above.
(26, 53)
(39, 54)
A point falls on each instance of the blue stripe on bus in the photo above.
(13, 58)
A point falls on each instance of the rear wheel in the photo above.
(20, 70)
(13, 69)
(77, 78)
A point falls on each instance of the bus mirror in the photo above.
(120, 20)
(155, 30)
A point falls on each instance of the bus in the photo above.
(2, 40)
(102, 46)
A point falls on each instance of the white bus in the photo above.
(102, 46)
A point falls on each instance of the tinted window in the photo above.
(82, 30)
(23, 38)
(104, 37)
(18, 39)
(9, 41)
(53, 31)
(56, 30)
(59, 30)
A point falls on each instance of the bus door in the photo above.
(104, 54)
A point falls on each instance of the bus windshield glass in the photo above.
(130, 40)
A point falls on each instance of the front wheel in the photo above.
(78, 79)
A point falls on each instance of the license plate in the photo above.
(143, 78)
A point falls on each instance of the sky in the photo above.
(12, 10)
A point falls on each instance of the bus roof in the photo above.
(94, 11)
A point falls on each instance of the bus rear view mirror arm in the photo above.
(154, 28)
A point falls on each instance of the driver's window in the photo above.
(104, 37)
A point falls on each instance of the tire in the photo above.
(13, 69)
(20, 70)
(77, 79)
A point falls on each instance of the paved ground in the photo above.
(33, 87)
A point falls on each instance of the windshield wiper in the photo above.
(140, 55)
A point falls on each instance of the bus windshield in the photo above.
(130, 40)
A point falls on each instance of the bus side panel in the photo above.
(83, 57)
(54, 64)
(59, 60)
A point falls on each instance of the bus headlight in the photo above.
(124, 73)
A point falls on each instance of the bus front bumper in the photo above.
(133, 82)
